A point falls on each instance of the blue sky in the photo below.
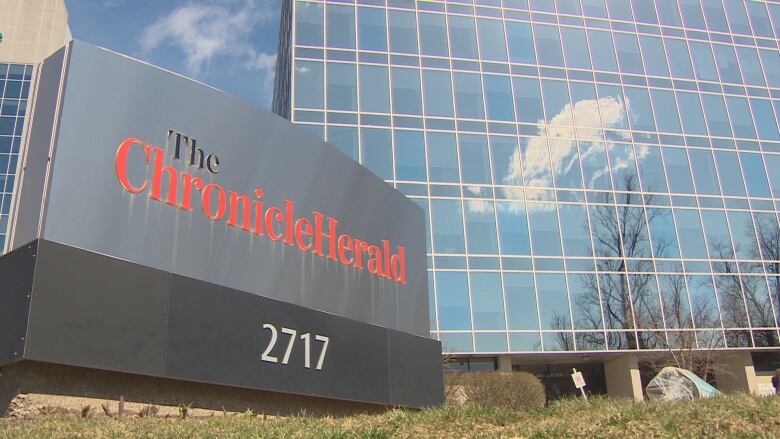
(228, 44)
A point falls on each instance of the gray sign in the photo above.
(243, 204)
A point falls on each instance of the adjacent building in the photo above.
(601, 178)
(32, 30)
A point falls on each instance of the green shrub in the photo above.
(510, 390)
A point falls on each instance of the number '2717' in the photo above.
(293, 337)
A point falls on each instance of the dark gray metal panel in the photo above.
(95, 311)
(35, 156)
(110, 97)
(16, 283)
(216, 335)
(416, 378)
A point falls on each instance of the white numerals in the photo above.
(293, 336)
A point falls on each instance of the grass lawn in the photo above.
(730, 416)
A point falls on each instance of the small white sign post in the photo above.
(579, 382)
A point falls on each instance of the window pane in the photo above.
(374, 89)
(612, 104)
(726, 60)
(744, 235)
(423, 203)
(667, 117)
(716, 230)
(565, 163)
(548, 45)
(309, 84)
(674, 295)
(729, 173)
(345, 139)
(474, 164)
(520, 301)
(457, 342)
(575, 46)
(409, 156)
(481, 227)
(690, 233)
(703, 302)
(403, 32)
(751, 66)
(771, 61)
(513, 228)
(602, 50)
(704, 62)
(641, 114)
(569, 7)
(506, 161)
(651, 168)
(615, 300)
(536, 162)
(406, 91)
(433, 34)
(624, 173)
(341, 26)
(633, 226)
(463, 37)
(342, 87)
(715, 15)
(737, 17)
(378, 151)
(668, 13)
(644, 11)
(594, 165)
(755, 177)
(677, 170)
(741, 121)
(492, 41)
(653, 54)
(442, 157)
(629, 58)
(647, 307)
(557, 103)
(692, 14)
(453, 294)
(553, 301)
(662, 233)
(488, 300)
(528, 100)
(438, 93)
(575, 230)
(679, 59)
(447, 219)
(545, 234)
(371, 29)
(759, 18)
(594, 8)
(765, 119)
(773, 166)
(690, 106)
(704, 172)
(468, 96)
(498, 95)
(585, 303)
(309, 23)
(717, 118)
(620, 10)
(585, 105)
(521, 43)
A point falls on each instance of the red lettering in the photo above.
(360, 246)
(159, 170)
(345, 245)
(120, 164)
(259, 211)
(221, 201)
(374, 260)
(303, 228)
(288, 222)
(273, 213)
(319, 234)
(398, 261)
(243, 200)
(190, 182)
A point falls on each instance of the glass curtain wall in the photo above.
(14, 91)
(596, 175)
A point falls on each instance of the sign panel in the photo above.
(182, 233)
(160, 170)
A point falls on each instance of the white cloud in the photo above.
(206, 31)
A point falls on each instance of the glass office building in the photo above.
(14, 91)
(598, 175)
